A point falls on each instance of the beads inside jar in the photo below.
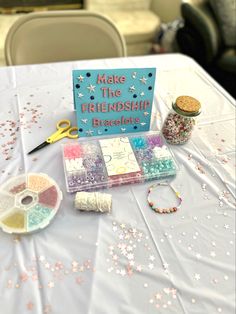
(179, 124)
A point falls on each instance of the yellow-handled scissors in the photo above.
(64, 129)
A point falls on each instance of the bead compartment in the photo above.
(30, 209)
(154, 159)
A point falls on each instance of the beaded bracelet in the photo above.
(163, 210)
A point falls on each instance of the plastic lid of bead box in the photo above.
(103, 163)
(28, 203)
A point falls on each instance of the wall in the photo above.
(12, 3)
(167, 10)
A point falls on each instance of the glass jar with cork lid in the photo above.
(179, 123)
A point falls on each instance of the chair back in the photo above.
(199, 14)
(55, 36)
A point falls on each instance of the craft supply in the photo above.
(93, 201)
(94, 164)
(163, 210)
(64, 129)
(28, 203)
(178, 126)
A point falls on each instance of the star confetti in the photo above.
(198, 256)
(163, 298)
(29, 306)
(213, 254)
(151, 258)
(165, 265)
(143, 80)
(150, 265)
(80, 78)
(79, 280)
(91, 88)
(132, 89)
(89, 132)
(51, 284)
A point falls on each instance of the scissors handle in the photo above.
(60, 131)
(69, 132)
(63, 130)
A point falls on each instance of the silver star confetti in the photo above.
(213, 254)
(132, 89)
(80, 78)
(151, 258)
(143, 80)
(89, 132)
(198, 256)
(91, 88)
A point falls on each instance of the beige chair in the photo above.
(136, 20)
(62, 36)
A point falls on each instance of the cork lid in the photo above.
(187, 105)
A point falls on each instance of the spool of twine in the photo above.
(93, 201)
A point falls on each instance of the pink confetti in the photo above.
(29, 306)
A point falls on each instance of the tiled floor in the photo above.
(6, 20)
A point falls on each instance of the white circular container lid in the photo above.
(28, 203)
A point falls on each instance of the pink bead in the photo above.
(72, 151)
(49, 197)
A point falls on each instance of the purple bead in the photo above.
(99, 162)
(93, 163)
(155, 140)
(144, 155)
(96, 180)
(89, 163)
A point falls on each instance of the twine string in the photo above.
(93, 201)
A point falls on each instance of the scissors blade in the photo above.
(39, 147)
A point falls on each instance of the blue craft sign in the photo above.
(113, 101)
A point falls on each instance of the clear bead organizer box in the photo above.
(103, 163)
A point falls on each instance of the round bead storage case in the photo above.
(28, 203)
(93, 164)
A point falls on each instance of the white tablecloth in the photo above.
(132, 260)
